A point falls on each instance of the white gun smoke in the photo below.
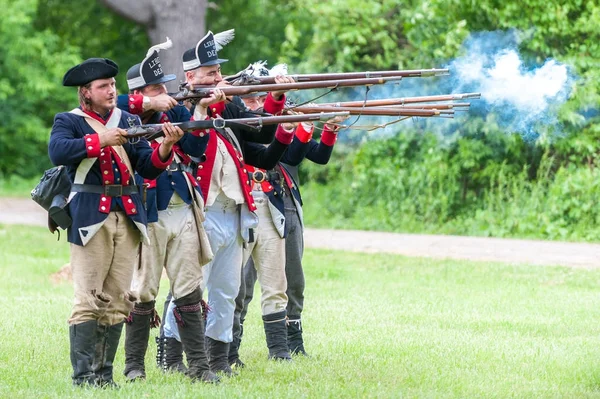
(521, 98)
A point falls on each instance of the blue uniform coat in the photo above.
(161, 190)
(72, 141)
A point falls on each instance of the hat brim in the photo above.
(257, 94)
(90, 70)
(164, 79)
(214, 62)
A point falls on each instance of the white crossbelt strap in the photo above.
(86, 164)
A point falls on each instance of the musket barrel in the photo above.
(201, 92)
(273, 120)
(456, 106)
(315, 77)
(405, 100)
(380, 111)
(152, 131)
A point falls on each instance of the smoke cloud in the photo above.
(521, 96)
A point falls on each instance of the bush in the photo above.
(481, 183)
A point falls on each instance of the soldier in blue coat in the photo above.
(107, 212)
(283, 193)
(174, 234)
(223, 178)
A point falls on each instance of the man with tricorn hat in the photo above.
(174, 234)
(223, 178)
(107, 212)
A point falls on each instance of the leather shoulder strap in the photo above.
(112, 122)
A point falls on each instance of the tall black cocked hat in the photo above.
(89, 70)
(205, 52)
(149, 71)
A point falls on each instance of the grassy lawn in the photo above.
(376, 326)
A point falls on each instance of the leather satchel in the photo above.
(52, 193)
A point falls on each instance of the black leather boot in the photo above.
(276, 335)
(137, 333)
(160, 351)
(82, 339)
(218, 356)
(160, 340)
(107, 342)
(191, 330)
(294, 336)
(234, 347)
(173, 356)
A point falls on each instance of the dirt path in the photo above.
(25, 211)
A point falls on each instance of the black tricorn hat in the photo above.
(90, 69)
(149, 71)
(205, 52)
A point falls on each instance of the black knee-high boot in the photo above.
(107, 342)
(160, 340)
(83, 345)
(188, 314)
(137, 333)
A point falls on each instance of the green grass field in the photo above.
(376, 326)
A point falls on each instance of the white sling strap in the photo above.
(86, 164)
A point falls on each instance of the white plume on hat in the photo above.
(279, 69)
(259, 68)
(160, 46)
(223, 38)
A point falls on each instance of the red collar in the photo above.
(97, 117)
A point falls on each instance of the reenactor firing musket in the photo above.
(245, 78)
(153, 131)
(202, 92)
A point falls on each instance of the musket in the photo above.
(153, 131)
(246, 79)
(380, 111)
(202, 92)
(405, 100)
(454, 106)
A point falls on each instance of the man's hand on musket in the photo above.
(161, 103)
(114, 136)
(172, 135)
(333, 124)
(293, 125)
(215, 97)
(225, 83)
(279, 79)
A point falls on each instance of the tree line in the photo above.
(452, 184)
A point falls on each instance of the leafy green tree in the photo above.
(94, 31)
(31, 69)
(259, 30)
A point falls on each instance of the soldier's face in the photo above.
(102, 94)
(154, 90)
(205, 76)
(253, 103)
(261, 100)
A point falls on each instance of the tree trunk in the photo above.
(183, 21)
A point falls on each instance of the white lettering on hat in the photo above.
(209, 44)
(212, 53)
(154, 62)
